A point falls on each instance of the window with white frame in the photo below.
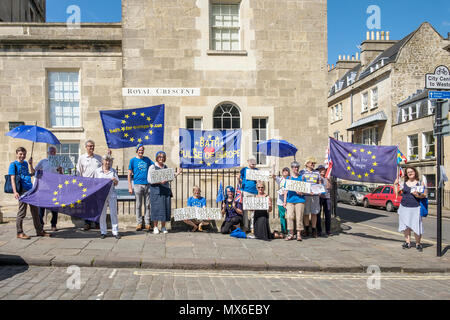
(194, 123)
(332, 115)
(413, 147)
(431, 107)
(259, 133)
(226, 116)
(414, 111)
(70, 149)
(365, 101)
(374, 102)
(428, 145)
(370, 136)
(64, 99)
(225, 27)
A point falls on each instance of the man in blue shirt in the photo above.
(200, 202)
(138, 167)
(248, 188)
(19, 168)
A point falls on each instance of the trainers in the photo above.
(155, 230)
(164, 230)
(103, 236)
(406, 245)
(117, 236)
(419, 247)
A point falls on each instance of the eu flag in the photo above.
(72, 195)
(210, 149)
(364, 163)
(130, 127)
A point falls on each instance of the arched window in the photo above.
(226, 116)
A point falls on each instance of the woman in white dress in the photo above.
(409, 210)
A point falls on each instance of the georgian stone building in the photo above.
(379, 99)
(22, 10)
(260, 65)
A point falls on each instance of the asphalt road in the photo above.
(380, 218)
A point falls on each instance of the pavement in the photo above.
(351, 250)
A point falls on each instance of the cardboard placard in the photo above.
(318, 189)
(189, 213)
(61, 160)
(256, 203)
(257, 175)
(157, 176)
(298, 186)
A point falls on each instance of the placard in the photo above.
(318, 188)
(257, 175)
(189, 213)
(298, 186)
(156, 176)
(419, 189)
(62, 160)
(256, 203)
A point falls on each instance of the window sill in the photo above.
(62, 129)
(226, 53)
(364, 111)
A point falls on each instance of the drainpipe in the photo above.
(351, 111)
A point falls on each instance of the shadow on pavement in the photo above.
(77, 233)
(15, 265)
(445, 250)
(356, 215)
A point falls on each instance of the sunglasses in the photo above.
(260, 188)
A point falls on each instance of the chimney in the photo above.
(371, 48)
(357, 56)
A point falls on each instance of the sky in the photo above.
(347, 19)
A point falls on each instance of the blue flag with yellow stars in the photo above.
(130, 127)
(72, 195)
(364, 163)
(210, 149)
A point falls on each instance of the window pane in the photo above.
(189, 123)
(236, 123)
(217, 123)
(226, 123)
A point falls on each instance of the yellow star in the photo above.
(372, 171)
(74, 181)
(375, 164)
(348, 161)
(151, 132)
(78, 201)
(349, 154)
(54, 199)
(139, 140)
(72, 205)
(55, 193)
(60, 186)
(123, 122)
(196, 143)
(123, 128)
(208, 164)
(370, 152)
(126, 135)
(84, 195)
(353, 173)
(146, 138)
(131, 139)
(133, 113)
(127, 116)
(349, 168)
(66, 182)
(80, 184)
(355, 151)
(143, 114)
(151, 125)
(63, 205)
(362, 150)
(374, 157)
(85, 189)
(366, 175)
(56, 203)
(359, 176)
(149, 119)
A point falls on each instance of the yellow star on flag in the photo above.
(353, 173)
(349, 154)
(133, 113)
(143, 114)
(56, 203)
(55, 193)
(72, 205)
(60, 186)
(127, 116)
(149, 119)
(123, 122)
(375, 164)
(366, 175)
(84, 195)
(374, 157)
(131, 139)
(359, 176)
(85, 189)
(63, 205)
(355, 151)
(372, 171)
(362, 150)
(349, 168)
(139, 140)
(208, 164)
(54, 199)
(151, 132)
(74, 181)
(210, 136)
(348, 161)
(370, 152)
(80, 184)
(126, 135)
(66, 182)
(78, 201)
(123, 128)
(146, 138)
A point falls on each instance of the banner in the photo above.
(62, 160)
(364, 163)
(318, 188)
(298, 186)
(257, 175)
(256, 203)
(72, 195)
(210, 149)
(130, 127)
(189, 213)
(156, 176)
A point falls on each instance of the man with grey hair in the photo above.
(86, 166)
(47, 166)
(248, 188)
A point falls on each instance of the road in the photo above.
(380, 218)
(133, 284)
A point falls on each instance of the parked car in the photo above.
(383, 196)
(352, 193)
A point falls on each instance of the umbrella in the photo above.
(278, 148)
(33, 133)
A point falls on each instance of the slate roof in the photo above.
(379, 116)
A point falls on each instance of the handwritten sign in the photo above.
(157, 176)
(317, 188)
(255, 203)
(189, 213)
(298, 186)
(257, 175)
(62, 160)
(419, 189)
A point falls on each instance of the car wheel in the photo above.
(353, 201)
(389, 206)
(366, 203)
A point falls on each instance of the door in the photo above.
(385, 195)
(375, 197)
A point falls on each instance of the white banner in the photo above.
(161, 92)
(257, 175)
(62, 160)
(156, 176)
(189, 213)
(318, 188)
(256, 203)
(298, 186)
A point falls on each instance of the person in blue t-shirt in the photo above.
(196, 201)
(19, 168)
(139, 167)
(294, 202)
(248, 188)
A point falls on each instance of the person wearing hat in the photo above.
(294, 202)
(325, 203)
(139, 167)
(312, 202)
(281, 180)
(107, 172)
(248, 188)
(160, 195)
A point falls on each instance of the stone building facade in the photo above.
(260, 66)
(22, 11)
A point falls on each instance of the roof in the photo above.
(379, 116)
(417, 96)
(344, 79)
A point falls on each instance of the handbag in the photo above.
(424, 207)
(8, 182)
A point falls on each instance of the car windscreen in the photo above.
(362, 189)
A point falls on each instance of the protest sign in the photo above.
(317, 188)
(298, 186)
(189, 213)
(157, 176)
(419, 189)
(63, 161)
(256, 203)
(257, 175)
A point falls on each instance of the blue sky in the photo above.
(347, 19)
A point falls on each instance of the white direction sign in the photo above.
(440, 79)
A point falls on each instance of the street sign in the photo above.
(439, 95)
(440, 79)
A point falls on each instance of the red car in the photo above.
(383, 196)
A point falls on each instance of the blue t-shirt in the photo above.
(248, 185)
(140, 167)
(21, 170)
(194, 202)
(292, 196)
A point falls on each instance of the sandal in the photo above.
(406, 245)
(299, 237)
(289, 237)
